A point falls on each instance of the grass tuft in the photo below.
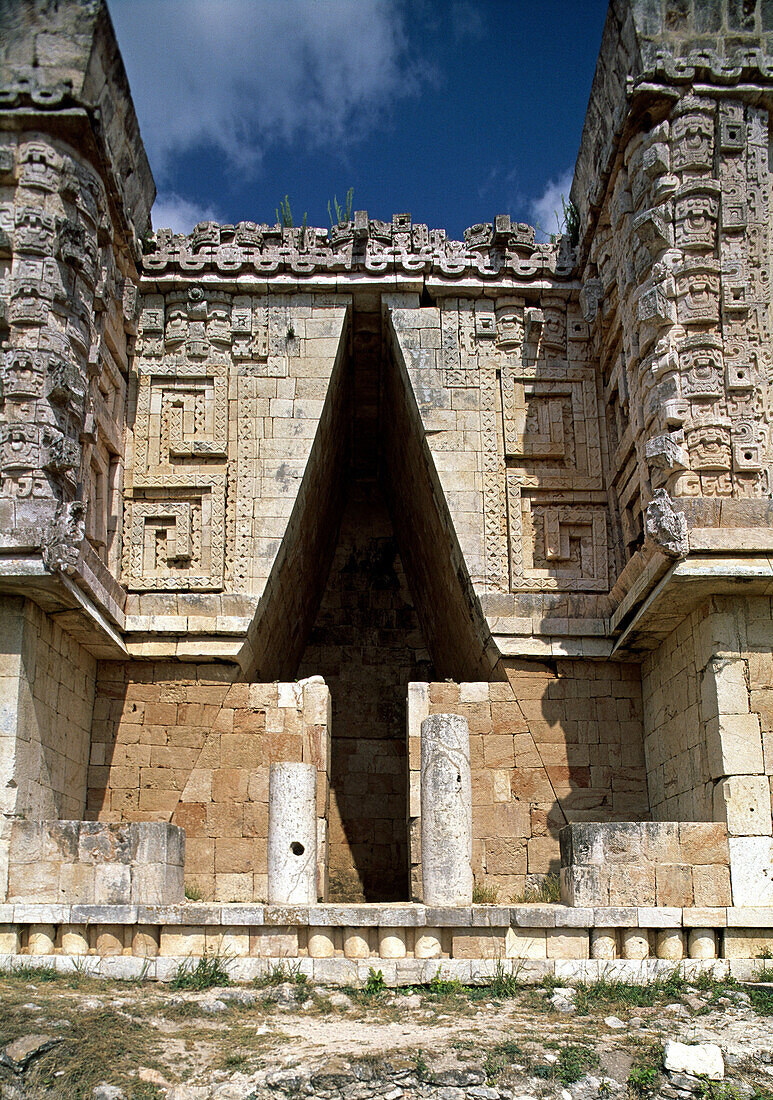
(501, 1056)
(548, 890)
(208, 971)
(573, 1063)
(484, 895)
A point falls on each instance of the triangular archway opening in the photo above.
(368, 595)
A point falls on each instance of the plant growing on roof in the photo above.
(284, 215)
(343, 214)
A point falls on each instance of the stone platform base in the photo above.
(405, 972)
(408, 943)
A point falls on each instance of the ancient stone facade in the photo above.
(525, 484)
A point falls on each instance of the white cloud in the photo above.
(171, 211)
(241, 75)
(544, 208)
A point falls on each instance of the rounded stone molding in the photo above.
(702, 943)
(603, 943)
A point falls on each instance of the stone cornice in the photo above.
(490, 251)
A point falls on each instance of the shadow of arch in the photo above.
(393, 549)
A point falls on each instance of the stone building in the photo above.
(278, 495)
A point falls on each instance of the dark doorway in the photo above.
(367, 643)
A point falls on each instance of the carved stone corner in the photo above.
(665, 527)
(63, 539)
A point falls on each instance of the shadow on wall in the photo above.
(368, 645)
(556, 742)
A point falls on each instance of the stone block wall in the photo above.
(46, 702)
(708, 707)
(195, 750)
(88, 863)
(550, 745)
(656, 863)
(680, 787)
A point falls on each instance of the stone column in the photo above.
(446, 810)
(292, 833)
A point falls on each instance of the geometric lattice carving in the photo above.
(556, 546)
(175, 535)
(551, 429)
(182, 411)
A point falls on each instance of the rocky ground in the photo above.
(72, 1038)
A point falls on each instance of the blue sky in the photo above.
(452, 110)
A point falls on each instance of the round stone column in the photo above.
(446, 810)
(292, 833)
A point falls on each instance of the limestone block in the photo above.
(274, 943)
(76, 883)
(705, 917)
(703, 842)
(41, 939)
(724, 689)
(585, 885)
(669, 944)
(321, 943)
(9, 939)
(674, 885)
(145, 941)
(603, 943)
(112, 883)
(292, 833)
(356, 943)
(635, 943)
(446, 810)
(751, 870)
(33, 881)
(744, 803)
(75, 939)
(478, 943)
(696, 1059)
(108, 939)
(182, 940)
(428, 943)
(711, 886)
(568, 943)
(630, 884)
(702, 943)
(747, 943)
(734, 745)
(391, 943)
(526, 943)
(231, 941)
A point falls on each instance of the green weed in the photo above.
(573, 1063)
(375, 985)
(484, 895)
(284, 216)
(642, 1080)
(420, 1066)
(281, 973)
(503, 1055)
(548, 889)
(444, 987)
(208, 971)
(504, 983)
(343, 213)
(606, 992)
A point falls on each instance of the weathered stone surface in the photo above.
(292, 834)
(446, 810)
(697, 1059)
(577, 436)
